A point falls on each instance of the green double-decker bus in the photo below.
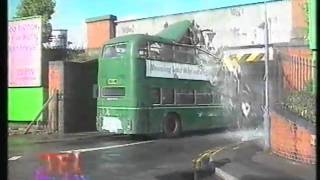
(150, 85)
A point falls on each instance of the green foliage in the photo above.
(309, 87)
(77, 55)
(44, 8)
(302, 103)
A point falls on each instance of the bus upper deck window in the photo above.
(143, 50)
(203, 57)
(114, 51)
(184, 54)
(160, 51)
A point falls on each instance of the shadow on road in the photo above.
(203, 132)
(186, 175)
(138, 137)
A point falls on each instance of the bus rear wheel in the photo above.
(172, 126)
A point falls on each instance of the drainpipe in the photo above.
(312, 4)
(314, 71)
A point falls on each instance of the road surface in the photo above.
(119, 157)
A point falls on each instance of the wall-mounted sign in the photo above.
(24, 52)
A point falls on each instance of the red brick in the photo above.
(291, 141)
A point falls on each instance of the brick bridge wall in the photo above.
(292, 141)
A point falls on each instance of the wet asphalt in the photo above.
(152, 159)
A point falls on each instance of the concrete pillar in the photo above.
(299, 21)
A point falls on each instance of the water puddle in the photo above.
(60, 166)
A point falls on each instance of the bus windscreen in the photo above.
(114, 51)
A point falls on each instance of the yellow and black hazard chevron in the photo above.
(247, 58)
(233, 62)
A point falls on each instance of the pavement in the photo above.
(248, 161)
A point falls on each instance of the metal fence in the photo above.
(296, 67)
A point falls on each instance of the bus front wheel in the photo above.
(172, 125)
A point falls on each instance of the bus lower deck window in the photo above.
(184, 96)
(204, 97)
(167, 96)
(216, 99)
(155, 94)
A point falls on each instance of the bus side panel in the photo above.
(192, 118)
(125, 117)
(141, 122)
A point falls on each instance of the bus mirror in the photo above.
(95, 91)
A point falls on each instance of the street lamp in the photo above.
(266, 118)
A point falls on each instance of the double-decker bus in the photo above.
(150, 85)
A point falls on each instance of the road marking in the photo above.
(14, 158)
(106, 147)
(235, 148)
(224, 175)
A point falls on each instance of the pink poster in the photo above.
(24, 52)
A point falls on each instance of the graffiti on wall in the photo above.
(236, 11)
(128, 29)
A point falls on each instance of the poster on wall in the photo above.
(24, 40)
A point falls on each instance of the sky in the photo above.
(71, 14)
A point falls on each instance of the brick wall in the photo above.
(299, 21)
(292, 141)
(99, 31)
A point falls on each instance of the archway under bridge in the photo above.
(242, 84)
